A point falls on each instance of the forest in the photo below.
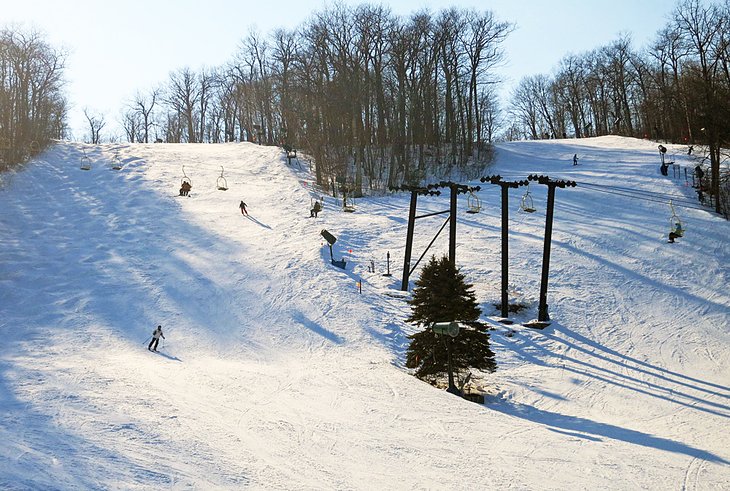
(374, 99)
(378, 100)
(33, 107)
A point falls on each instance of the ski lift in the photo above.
(313, 200)
(221, 183)
(34, 147)
(85, 162)
(473, 204)
(526, 204)
(185, 178)
(348, 207)
(116, 162)
(675, 224)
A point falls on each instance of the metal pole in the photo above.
(409, 241)
(452, 226)
(505, 248)
(452, 387)
(542, 312)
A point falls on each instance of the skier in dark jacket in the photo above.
(242, 206)
(156, 338)
(315, 209)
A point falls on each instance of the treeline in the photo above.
(374, 98)
(676, 90)
(32, 105)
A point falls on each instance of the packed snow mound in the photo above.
(280, 370)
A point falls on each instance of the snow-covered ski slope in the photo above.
(277, 373)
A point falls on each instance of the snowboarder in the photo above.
(575, 159)
(242, 206)
(156, 338)
(315, 209)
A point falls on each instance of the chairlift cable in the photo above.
(635, 191)
(657, 199)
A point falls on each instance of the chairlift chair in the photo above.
(473, 204)
(526, 204)
(185, 178)
(117, 162)
(221, 183)
(675, 224)
(313, 200)
(348, 207)
(34, 147)
(85, 162)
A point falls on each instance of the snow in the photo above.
(277, 373)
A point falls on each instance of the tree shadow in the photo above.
(593, 430)
(318, 329)
(621, 371)
(641, 366)
(35, 446)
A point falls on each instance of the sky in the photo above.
(117, 49)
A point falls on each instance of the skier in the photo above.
(156, 338)
(242, 206)
(700, 174)
(575, 159)
(315, 209)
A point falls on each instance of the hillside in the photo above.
(277, 373)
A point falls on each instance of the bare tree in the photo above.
(526, 107)
(132, 125)
(482, 43)
(32, 106)
(701, 28)
(143, 106)
(96, 124)
(183, 97)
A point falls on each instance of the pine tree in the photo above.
(441, 295)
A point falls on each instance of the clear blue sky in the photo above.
(117, 48)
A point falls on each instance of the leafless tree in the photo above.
(183, 98)
(96, 124)
(132, 125)
(142, 107)
(32, 106)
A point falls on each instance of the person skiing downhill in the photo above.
(156, 338)
(242, 206)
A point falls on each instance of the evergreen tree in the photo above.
(441, 295)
